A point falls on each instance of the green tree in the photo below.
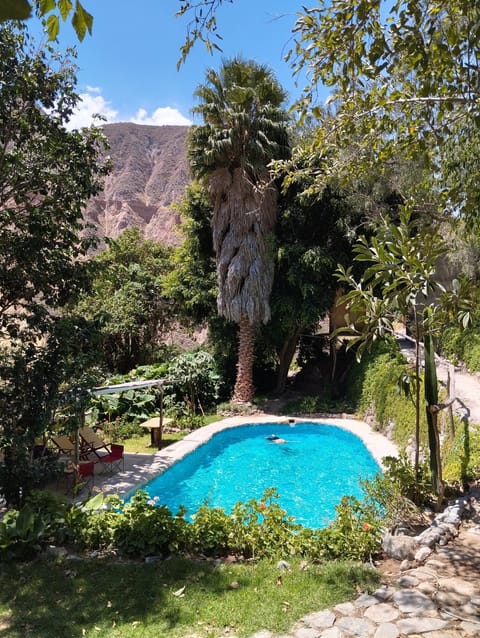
(191, 283)
(56, 10)
(314, 233)
(244, 129)
(400, 280)
(126, 300)
(47, 174)
(403, 78)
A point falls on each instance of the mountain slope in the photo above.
(149, 175)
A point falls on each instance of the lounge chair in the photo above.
(114, 459)
(93, 443)
(66, 446)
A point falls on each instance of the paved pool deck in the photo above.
(141, 468)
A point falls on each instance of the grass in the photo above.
(103, 598)
(141, 444)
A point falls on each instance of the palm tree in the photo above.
(244, 128)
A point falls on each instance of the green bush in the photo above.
(356, 531)
(262, 528)
(462, 346)
(210, 531)
(377, 387)
(22, 533)
(145, 529)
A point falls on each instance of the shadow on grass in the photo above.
(71, 599)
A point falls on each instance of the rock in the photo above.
(358, 627)
(470, 628)
(410, 601)
(283, 564)
(417, 625)
(399, 547)
(306, 632)
(458, 586)
(153, 559)
(422, 554)
(381, 613)
(333, 632)
(384, 593)
(408, 581)
(427, 588)
(387, 630)
(320, 619)
(346, 609)
(366, 600)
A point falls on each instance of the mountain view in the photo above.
(149, 175)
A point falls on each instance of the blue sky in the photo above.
(127, 68)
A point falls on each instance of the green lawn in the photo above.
(141, 444)
(173, 598)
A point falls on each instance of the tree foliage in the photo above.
(126, 300)
(400, 280)
(52, 11)
(403, 78)
(47, 174)
(244, 128)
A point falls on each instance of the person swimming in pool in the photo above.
(273, 438)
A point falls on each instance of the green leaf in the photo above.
(53, 27)
(15, 10)
(82, 21)
(45, 6)
(64, 6)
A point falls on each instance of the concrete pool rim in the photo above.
(137, 474)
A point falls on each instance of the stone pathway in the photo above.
(437, 599)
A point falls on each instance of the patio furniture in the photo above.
(66, 447)
(93, 443)
(115, 459)
(156, 428)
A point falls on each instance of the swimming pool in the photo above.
(311, 471)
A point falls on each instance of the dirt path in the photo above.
(464, 386)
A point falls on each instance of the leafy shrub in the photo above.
(316, 405)
(195, 384)
(262, 528)
(144, 529)
(462, 346)
(52, 510)
(210, 531)
(356, 531)
(22, 533)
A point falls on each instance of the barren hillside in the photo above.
(149, 174)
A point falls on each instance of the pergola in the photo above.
(124, 387)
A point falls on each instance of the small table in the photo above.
(153, 425)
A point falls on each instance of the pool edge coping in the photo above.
(123, 483)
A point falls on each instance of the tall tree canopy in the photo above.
(404, 77)
(126, 300)
(244, 128)
(47, 174)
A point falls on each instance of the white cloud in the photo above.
(164, 115)
(89, 106)
(93, 103)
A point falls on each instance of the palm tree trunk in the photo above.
(243, 391)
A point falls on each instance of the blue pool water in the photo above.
(311, 471)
